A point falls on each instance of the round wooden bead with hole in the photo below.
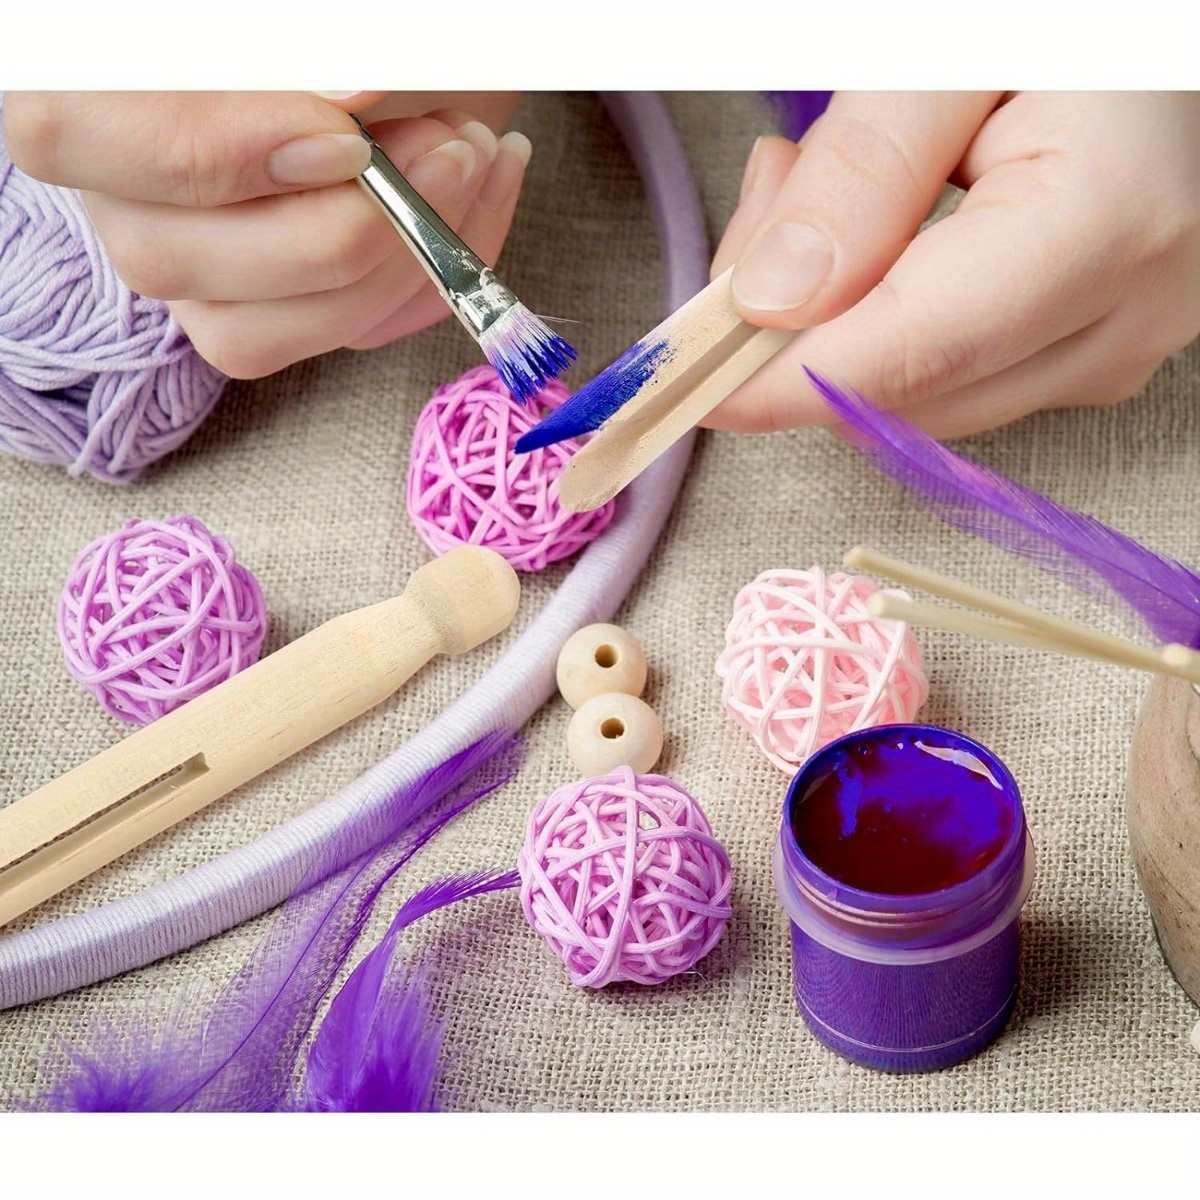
(614, 730)
(598, 659)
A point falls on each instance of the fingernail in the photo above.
(751, 171)
(319, 159)
(783, 269)
(477, 134)
(504, 179)
(337, 97)
(449, 166)
(518, 145)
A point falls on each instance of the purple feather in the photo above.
(241, 1057)
(1078, 548)
(378, 1048)
(130, 1072)
(796, 111)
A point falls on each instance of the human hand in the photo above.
(235, 207)
(1069, 270)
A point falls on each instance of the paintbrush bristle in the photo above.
(525, 352)
(601, 398)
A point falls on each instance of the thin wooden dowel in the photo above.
(1182, 658)
(1012, 622)
(995, 629)
(1056, 633)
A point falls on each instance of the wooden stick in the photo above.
(712, 353)
(860, 558)
(996, 630)
(1018, 624)
(1182, 658)
(98, 811)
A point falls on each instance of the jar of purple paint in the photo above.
(903, 861)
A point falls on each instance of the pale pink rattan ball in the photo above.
(622, 877)
(156, 613)
(466, 487)
(804, 662)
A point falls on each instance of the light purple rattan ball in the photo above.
(466, 487)
(157, 613)
(623, 878)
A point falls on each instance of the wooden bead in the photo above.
(614, 730)
(598, 659)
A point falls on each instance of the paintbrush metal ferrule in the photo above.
(519, 345)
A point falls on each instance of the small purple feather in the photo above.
(796, 111)
(378, 1048)
(242, 1056)
(977, 500)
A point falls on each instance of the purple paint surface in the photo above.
(903, 866)
(599, 399)
(898, 816)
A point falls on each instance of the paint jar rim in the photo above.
(889, 927)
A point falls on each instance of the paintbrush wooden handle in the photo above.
(64, 831)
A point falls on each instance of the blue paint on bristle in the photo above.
(598, 400)
(525, 352)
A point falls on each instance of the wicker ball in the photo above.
(157, 613)
(466, 486)
(804, 662)
(622, 877)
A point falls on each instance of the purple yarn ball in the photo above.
(93, 377)
(157, 613)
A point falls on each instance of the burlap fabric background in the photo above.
(303, 473)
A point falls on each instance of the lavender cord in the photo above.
(241, 884)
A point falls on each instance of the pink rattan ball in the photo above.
(465, 485)
(804, 662)
(623, 878)
(157, 613)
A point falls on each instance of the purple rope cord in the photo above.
(171, 916)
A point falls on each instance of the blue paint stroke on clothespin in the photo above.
(601, 398)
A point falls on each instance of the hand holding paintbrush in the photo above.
(523, 350)
(240, 208)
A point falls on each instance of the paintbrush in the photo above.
(522, 349)
(654, 393)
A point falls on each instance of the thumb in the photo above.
(870, 170)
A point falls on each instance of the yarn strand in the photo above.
(93, 377)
